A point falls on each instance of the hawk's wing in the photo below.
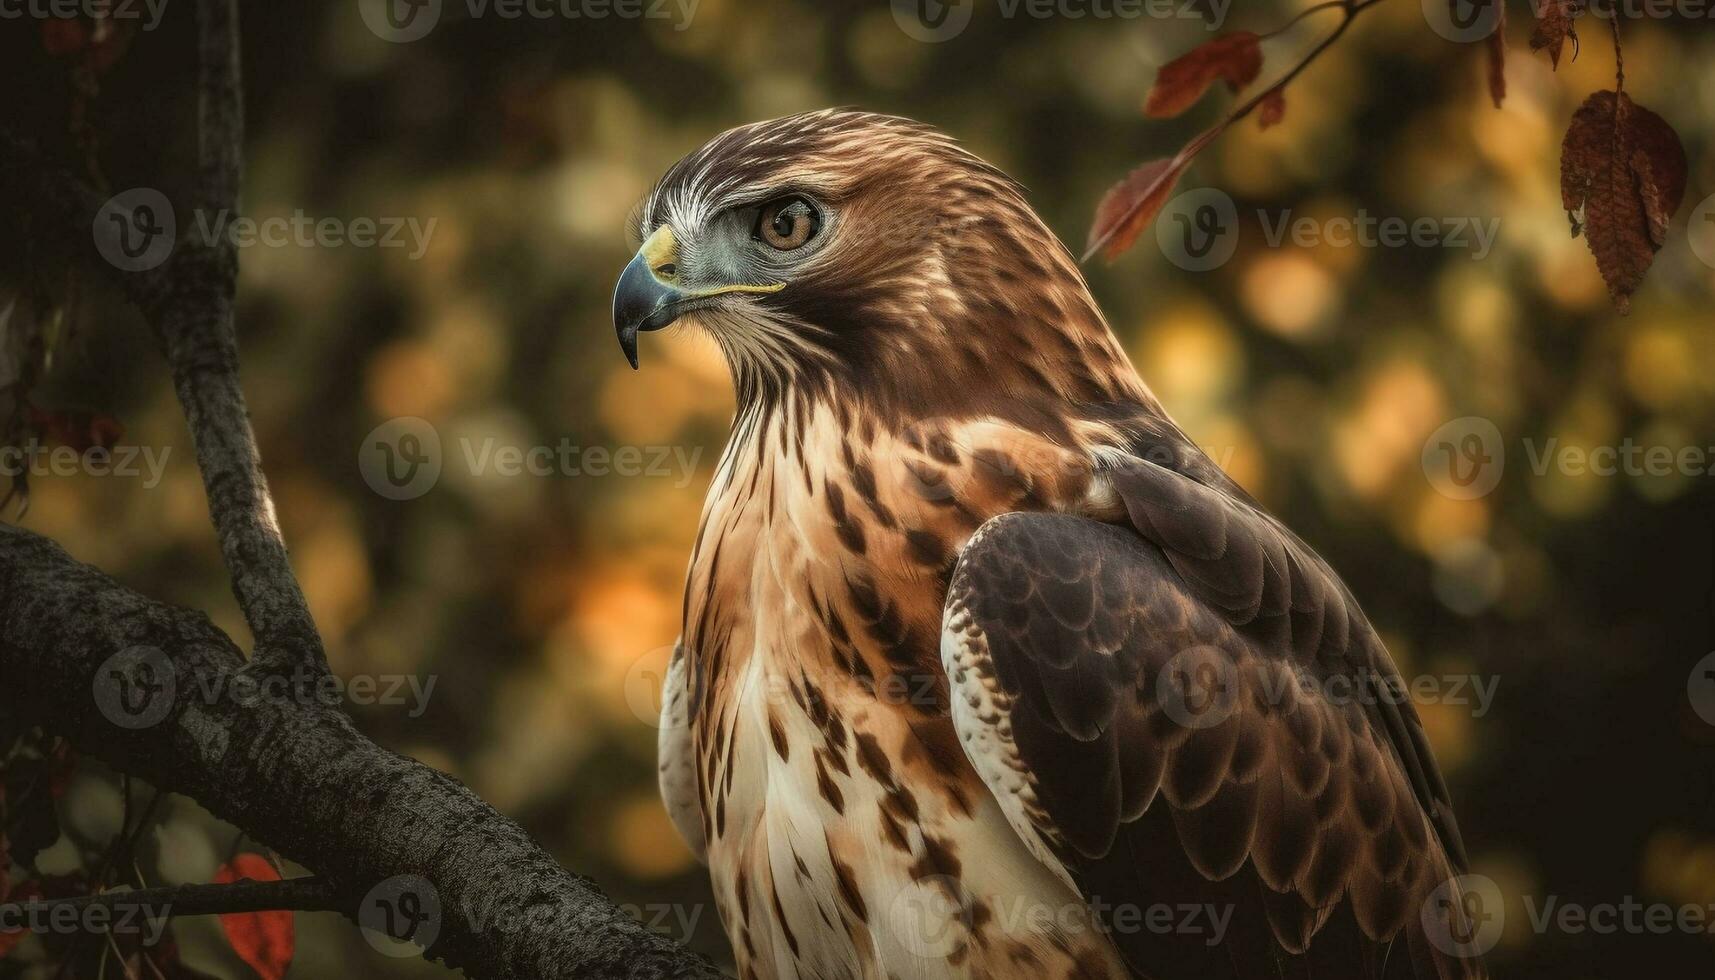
(1153, 707)
(676, 756)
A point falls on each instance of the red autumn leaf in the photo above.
(1272, 109)
(1624, 168)
(1554, 25)
(1498, 58)
(62, 36)
(81, 431)
(264, 940)
(1236, 58)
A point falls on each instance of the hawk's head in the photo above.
(840, 248)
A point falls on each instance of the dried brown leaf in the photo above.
(1130, 205)
(1624, 169)
(1235, 58)
(1554, 25)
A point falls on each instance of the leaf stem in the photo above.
(1619, 52)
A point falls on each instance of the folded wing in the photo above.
(1189, 709)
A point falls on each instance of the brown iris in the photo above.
(788, 223)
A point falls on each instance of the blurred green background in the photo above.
(543, 606)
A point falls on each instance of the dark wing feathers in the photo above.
(1322, 823)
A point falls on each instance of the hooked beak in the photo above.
(648, 296)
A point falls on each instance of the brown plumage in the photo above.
(984, 664)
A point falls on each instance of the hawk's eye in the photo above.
(788, 223)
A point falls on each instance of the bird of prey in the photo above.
(986, 670)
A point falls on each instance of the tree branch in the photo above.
(188, 303)
(299, 777)
(193, 319)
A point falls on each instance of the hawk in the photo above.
(986, 670)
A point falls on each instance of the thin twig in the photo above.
(1351, 9)
(1302, 15)
(309, 894)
